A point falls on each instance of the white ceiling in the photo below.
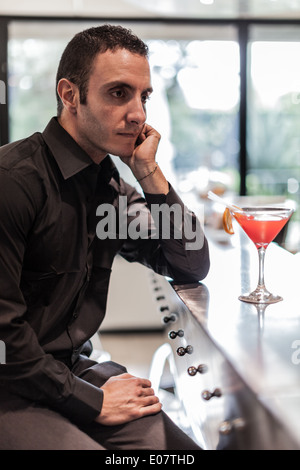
(278, 9)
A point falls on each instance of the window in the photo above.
(200, 82)
(273, 141)
(33, 55)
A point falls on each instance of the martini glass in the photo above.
(262, 224)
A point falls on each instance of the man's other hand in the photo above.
(126, 398)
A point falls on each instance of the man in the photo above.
(54, 269)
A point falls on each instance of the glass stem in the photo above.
(261, 259)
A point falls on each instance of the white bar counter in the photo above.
(246, 392)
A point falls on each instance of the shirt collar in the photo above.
(70, 157)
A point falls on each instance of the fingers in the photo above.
(145, 383)
(144, 393)
(126, 398)
(148, 130)
(152, 406)
(148, 402)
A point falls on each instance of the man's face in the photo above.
(114, 113)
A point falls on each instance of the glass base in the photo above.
(260, 296)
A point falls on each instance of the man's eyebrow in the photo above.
(119, 83)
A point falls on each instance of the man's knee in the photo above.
(24, 427)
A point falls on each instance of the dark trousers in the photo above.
(30, 426)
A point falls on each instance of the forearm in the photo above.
(171, 240)
(181, 236)
(154, 181)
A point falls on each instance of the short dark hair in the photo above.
(77, 59)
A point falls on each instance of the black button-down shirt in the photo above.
(55, 270)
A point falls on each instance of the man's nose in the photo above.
(137, 112)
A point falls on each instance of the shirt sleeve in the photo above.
(171, 239)
(28, 370)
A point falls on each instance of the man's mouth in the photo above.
(132, 135)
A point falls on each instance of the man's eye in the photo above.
(145, 98)
(118, 93)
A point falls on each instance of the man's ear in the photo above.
(69, 94)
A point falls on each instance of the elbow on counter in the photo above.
(199, 262)
(195, 267)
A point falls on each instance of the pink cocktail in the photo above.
(262, 224)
